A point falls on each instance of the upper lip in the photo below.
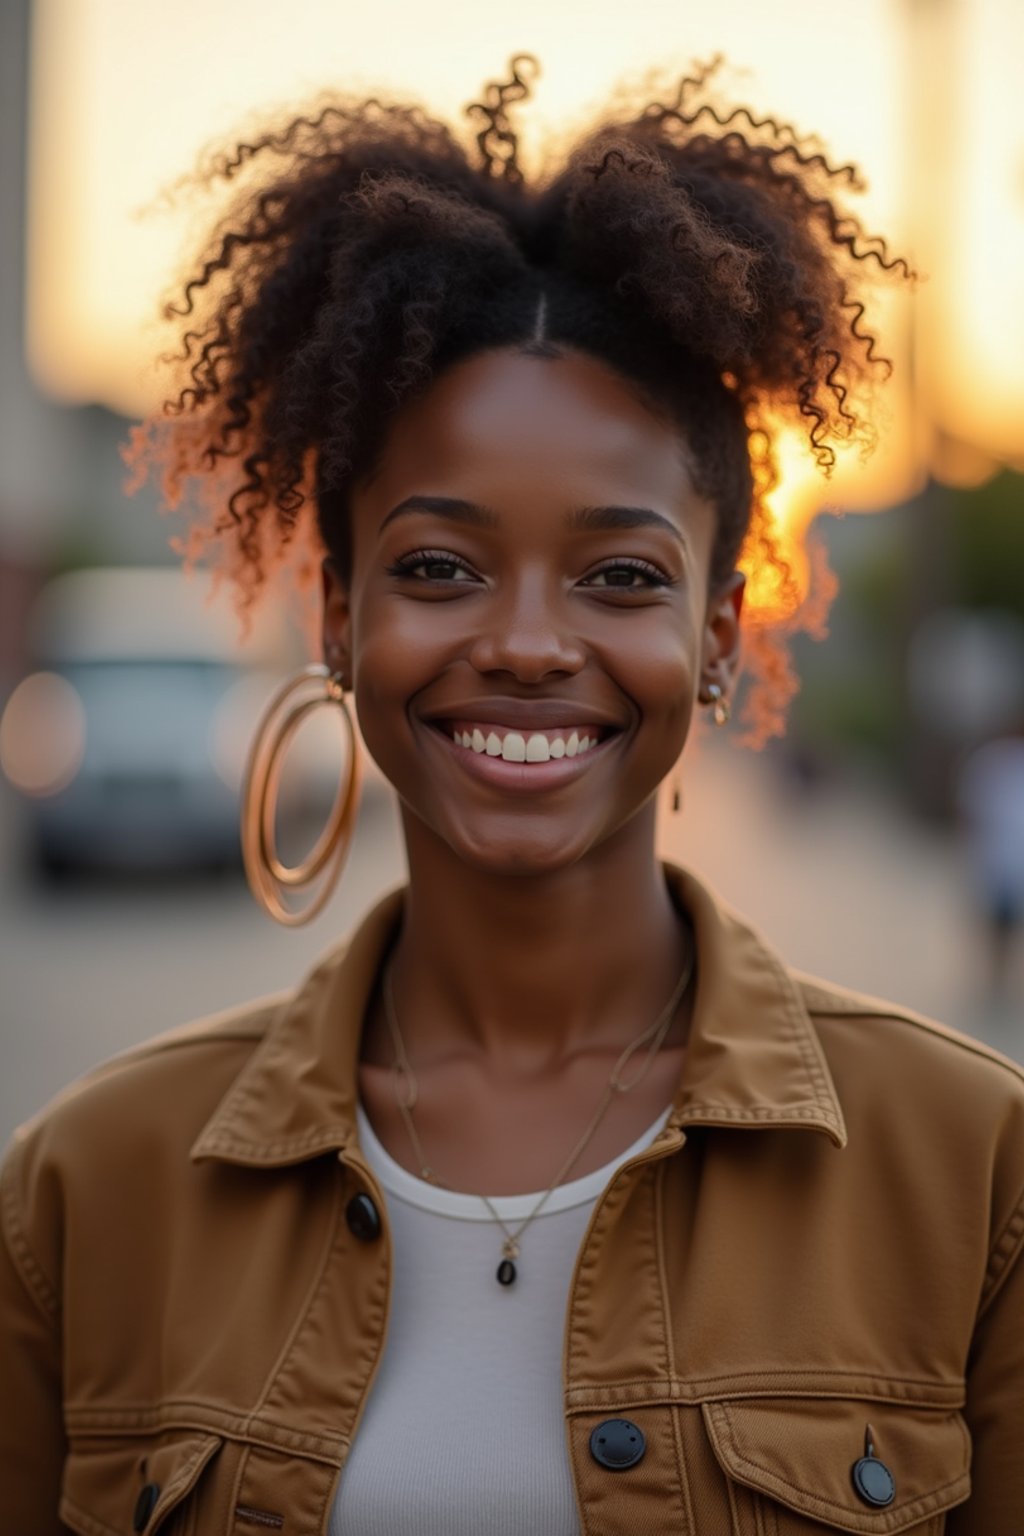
(535, 714)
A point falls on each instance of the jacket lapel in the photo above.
(754, 1057)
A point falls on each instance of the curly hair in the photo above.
(699, 252)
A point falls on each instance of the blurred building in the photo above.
(61, 502)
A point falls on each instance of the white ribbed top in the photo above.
(464, 1430)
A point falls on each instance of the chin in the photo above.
(515, 852)
(521, 840)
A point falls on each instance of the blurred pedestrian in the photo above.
(554, 1200)
(990, 796)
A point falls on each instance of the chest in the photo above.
(469, 1384)
(501, 1137)
(733, 1324)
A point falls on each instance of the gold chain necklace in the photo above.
(406, 1094)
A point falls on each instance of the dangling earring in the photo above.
(269, 879)
(715, 696)
(677, 792)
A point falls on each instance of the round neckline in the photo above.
(415, 1191)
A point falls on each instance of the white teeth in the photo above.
(513, 748)
(517, 748)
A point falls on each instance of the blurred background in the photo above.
(880, 844)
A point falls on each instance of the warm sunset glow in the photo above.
(973, 352)
(126, 96)
(793, 505)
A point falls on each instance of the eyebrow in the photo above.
(444, 506)
(583, 519)
(589, 519)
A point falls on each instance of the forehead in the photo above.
(510, 430)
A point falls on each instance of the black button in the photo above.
(145, 1505)
(617, 1444)
(873, 1481)
(363, 1218)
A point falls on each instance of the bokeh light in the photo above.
(42, 734)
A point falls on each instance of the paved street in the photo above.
(838, 881)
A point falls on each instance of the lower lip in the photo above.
(523, 776)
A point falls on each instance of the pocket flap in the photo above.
(802, 1452)
(104, 1479)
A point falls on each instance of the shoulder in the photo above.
(117, 1135)
(891, 1062)
(839, 1011)
(155, 1095)
(930, 1108)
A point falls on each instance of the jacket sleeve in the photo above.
(32, 1442)
(995, 1397)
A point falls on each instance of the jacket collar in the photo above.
(753, 1059)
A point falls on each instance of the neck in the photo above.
(530, 969)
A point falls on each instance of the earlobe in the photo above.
(721, 653)
(722, 632)
(336, 629)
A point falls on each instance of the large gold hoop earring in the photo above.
(270, 880)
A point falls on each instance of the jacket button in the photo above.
(873, 1481)
(617, 1444)
(363, 1218)
(145, 1505)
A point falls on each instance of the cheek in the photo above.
(395, 655)
(656, 664)
(387, 632)
(381, 655)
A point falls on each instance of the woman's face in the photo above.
(529, 572)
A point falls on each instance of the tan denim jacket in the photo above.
(826, 1235)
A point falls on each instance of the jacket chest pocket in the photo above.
(795, 1466)
(151, 1485)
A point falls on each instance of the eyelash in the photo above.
(406, 564)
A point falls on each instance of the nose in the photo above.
(528, 633)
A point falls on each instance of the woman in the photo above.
(553, 1200)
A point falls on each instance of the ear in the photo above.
(721, 647)
(337, 623)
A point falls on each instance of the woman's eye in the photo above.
(628, 577)
(439, 570)
(426, 566)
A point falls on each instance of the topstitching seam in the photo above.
(30, 1271)
(658, 1197)
(1004, 1249)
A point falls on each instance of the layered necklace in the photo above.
(406, 1094)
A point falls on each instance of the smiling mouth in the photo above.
(514, 745)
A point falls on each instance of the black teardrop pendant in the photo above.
(506, 1272)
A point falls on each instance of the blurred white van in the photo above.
(128, 741)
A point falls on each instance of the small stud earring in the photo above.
(337, 665)
(722, 709)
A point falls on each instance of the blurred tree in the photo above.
(987, 537)
(852, 706)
